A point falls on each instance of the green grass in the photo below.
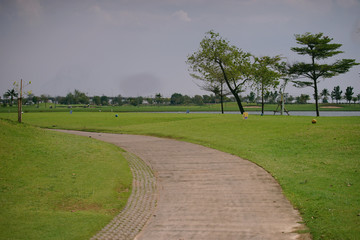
(58, 186)
(228, 106)
(317, 165)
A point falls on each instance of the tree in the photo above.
(11, 93)
(136, 101)
(273, 97)
(44, 98)
(302, 99)
(117, 100)
(349, 93)
(325, 94)
(80, 97)
(96, 100)
(213, 81)
(158, 99)
(336, 94)
(215, 54)
(251, 97)
(318, 47)
(187, 100)
(176, 99)
(69, 99)
(265, 75)
(290, 99)
(198, 100)
(354, 99)
(104, 100)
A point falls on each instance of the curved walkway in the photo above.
(205, 194)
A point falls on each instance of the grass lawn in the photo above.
(58, 186)
(228, 106)
(317, 165)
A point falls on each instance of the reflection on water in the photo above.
(313, 113)
(302, 113)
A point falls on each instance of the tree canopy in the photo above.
(217, 55)
(318, 47)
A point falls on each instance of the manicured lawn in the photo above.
(228, 106)
(317, 165)
(58, 186)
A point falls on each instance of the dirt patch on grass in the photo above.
(252, 107)
(331, 107)
(75, 206)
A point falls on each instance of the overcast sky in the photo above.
(139, 47)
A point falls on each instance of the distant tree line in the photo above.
(270, 97)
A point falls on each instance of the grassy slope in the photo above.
(58, 186)
(317, 165)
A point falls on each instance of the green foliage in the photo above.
(58, 186)
(216, 56)
(265, 75)
(302, 99)
(349, 93)
(74, 98)
(11, 93)
(177, 99)
(336, 93)
(318, 47)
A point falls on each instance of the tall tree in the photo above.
(251, 97)
(11, 93)
(265, 75)
(349, 93)
(302, 99)
(177, 99)
(325, 94)
(158, 99)
(336, 94)
(217, 53)
(318, 47)
(96, 100)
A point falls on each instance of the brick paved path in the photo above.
(140, 206)
(205, 194)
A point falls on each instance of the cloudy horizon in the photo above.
(139, 48)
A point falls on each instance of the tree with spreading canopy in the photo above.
(318, 47)
(217, 55)
(265, 75)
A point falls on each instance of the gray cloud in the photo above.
(139, 47)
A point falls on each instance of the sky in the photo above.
(139, 47)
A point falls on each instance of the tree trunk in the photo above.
(222, 98)
(238, 100)
(262, 100)
(20, 104)
(233, 91)
(316, 100)
(19, 110)
(315, 88)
